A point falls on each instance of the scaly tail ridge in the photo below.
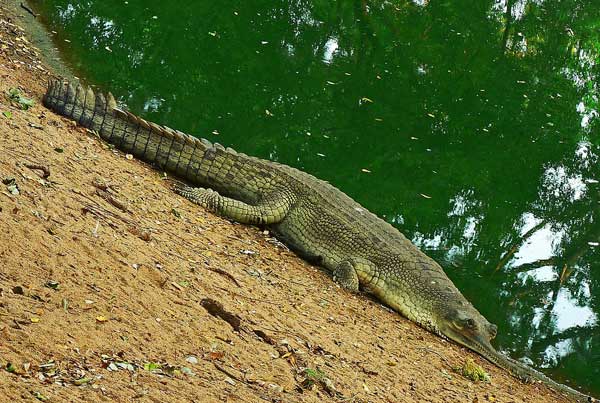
(170, 149)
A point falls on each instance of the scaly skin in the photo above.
(314, 218)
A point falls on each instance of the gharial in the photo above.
(314, 218)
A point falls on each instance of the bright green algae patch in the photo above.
(472, 128)
(473, 371)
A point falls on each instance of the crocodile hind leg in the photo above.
(270, 211)
(349, 273)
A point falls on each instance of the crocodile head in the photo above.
(465, 325)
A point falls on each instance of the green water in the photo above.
(470, 125)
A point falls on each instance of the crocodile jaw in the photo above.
(481, 345)
(475, 341)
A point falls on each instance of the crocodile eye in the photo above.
(470, 323)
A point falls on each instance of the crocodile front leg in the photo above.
(353, 272)
(271, 210)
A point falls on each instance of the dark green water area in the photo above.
(472, 126)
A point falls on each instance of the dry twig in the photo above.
(109, 198)
(224, 273)
(43, 168)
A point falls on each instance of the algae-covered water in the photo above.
(472, 126)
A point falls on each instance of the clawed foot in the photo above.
(345, 275)
(201, 196)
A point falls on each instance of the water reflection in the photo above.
(540, 245)
(471, 126)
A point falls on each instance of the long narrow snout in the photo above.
(525, 373)
(470, 329)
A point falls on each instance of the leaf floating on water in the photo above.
(593, 243)
(365, 170)
(425, 196)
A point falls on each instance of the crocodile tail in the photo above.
(170, 149)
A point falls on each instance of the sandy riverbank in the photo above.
(108, 286)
